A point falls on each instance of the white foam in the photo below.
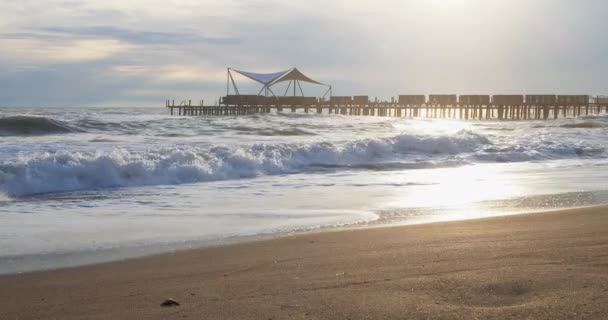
(37, 173)
(69, 171)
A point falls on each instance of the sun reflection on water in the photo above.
(457, 191)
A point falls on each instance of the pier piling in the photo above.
(463, 107)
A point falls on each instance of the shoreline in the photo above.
(153, 250)
(534, 266)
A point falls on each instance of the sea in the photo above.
(89, 185)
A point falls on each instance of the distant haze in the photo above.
(139, 53)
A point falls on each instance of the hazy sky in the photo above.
(141, 52)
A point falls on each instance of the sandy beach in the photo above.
(551, 265)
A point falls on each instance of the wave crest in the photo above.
(27, 125)
(62, 171)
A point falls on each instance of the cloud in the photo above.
(135, 36)
(171, 72)
(89, 84)
(59, 52)
(36, 50)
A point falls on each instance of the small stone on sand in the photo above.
(169, 303)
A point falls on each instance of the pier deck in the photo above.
(467, 107)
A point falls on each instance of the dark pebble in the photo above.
(169, 303)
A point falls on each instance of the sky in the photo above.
(142, 52)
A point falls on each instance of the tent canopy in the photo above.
(263, 78)
(268, 79)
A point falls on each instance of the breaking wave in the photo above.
(71, 171)
(27, 125)
(538, 151)
(33, 126)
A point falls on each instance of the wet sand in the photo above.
(550, 265)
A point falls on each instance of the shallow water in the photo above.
(89, 185)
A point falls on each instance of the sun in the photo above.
(447, 3)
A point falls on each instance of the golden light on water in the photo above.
(465, 185)
(457, 193)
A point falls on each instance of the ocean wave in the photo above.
(584, 125)
(72, 171)
(123, 127)
(410, 165)
(30, 126)
(271, 131)
(538, 151)
(285, 132)
(601, 117)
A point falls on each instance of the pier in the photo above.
(446, 106)
(465, 107)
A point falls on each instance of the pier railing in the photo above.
(450, 106)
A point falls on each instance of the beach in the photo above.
(550, 265)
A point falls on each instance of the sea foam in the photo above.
(70, 171)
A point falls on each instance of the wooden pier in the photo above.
(474, 107)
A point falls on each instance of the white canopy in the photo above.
(263, 78)
(268, 79)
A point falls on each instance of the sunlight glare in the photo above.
(446, 3)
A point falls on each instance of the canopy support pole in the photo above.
(326, 92)
(274, 95)
(264, 88)
(301, 91)
(233, 83)
(287, 90)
